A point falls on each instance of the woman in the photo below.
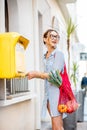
(53, 60)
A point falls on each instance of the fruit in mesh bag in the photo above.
(62, 108)
(72, 106)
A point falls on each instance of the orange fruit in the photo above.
(62, 108)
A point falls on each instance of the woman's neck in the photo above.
(50, 50)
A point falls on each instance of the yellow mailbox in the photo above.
(12, 57)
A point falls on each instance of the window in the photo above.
(17, 86)
(6, 17)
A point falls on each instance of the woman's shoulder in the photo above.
(59, 53)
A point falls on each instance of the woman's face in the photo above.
(52, 39)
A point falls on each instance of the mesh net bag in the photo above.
(67, 101)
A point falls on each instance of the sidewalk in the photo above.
(82, 126)
(47, 125)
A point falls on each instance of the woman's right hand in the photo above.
(31, 74)
(36, 74)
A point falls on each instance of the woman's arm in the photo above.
(37, 74)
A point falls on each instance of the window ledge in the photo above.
(17, 99)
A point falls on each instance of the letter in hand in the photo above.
(30, 74)
(27, 75)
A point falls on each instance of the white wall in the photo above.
(2, 18)
(19, 116)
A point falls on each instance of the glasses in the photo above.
(54, 36)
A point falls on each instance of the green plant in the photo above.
(70, 29)
(55, 78)
(74, 75)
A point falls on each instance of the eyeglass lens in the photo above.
(54, 36)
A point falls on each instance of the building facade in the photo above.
(30, 18)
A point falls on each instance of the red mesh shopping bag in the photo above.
(67, 101)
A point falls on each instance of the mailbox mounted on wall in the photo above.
(12, 57)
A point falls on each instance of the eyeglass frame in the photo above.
(54, 36)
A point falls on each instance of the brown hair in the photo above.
(46, 33)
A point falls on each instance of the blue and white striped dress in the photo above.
(54, 62)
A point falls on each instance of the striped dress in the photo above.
(54, 62)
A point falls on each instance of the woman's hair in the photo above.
(47, 32)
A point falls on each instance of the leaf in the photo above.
(70, 28)
(55, 78)
(74, 75)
